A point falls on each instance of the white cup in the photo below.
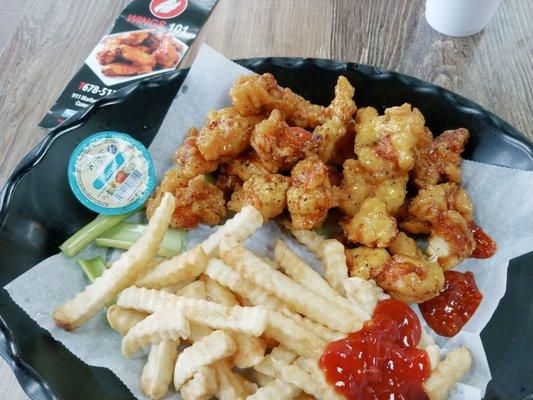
(460, 17)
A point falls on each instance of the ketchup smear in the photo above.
(381, 361)
(485, 246)
(458, 300)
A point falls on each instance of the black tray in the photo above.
(38, 212)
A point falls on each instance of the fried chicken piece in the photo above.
(328, 135)
(108, 55)
(189, 158)
(131, 39)
(342, 106)
(267, 193)
(441, 160)
(405, 246)
(228, 183)
(372, 225)
(411, 280)
(358, 185)
(135, 56)
(225, 134)
(388, 143)
(249, 163)
(122, 69)
(447, 210)
(310, 194)
(199, 202)
(431, 201)
(451, 240)
(168, 53)
(143, 48)
(279, 145)
(362, 260)
(173, 179)
(257, 94)
(344, 147)
(152, 42)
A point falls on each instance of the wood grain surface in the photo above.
(53, 37)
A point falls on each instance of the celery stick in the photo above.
(123, 235)
(89, 232)
(93, 267)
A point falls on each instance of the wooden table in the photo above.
(493, 68)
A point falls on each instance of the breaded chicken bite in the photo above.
(310, 194)
(173, 179)
(189, 158)
(358, 185)
(267, 193)
(411, 280)
(441, 160)
(362, 261)
(225, 134)
(342, 106)
(249, 163)
(279, 145)
(199, 202)
(256, 94)
(405, 246)
(372, 226)
(388, 143)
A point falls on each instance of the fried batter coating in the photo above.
(310, 194)
(342, 106)
(372, 225)
(122, 69)
(131, 39)
(358, 185)
(249, 163)
(225, 134)
(405, 246)
(431, 201)
(451, 240)
(256, 94)
(173, 179)
(447, 209)
(330, 133)
(344, 147)
(388, 143)
(136, 56)
(279, 145)
(441, 160)
(267, 193)
(362, 260)
(108, 55)
(168, 52)
(228, 183)
(189, 158)
(198, 202)
(411, 280)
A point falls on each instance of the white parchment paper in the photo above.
(503, 202)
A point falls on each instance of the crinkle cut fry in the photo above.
(456, 363)
(248, 320)
(311, 240)
(163, 325)
(276, 390)
(215, 347)
(181, 268)
(219, 271)
(231, 385)
(306, 276)
(241, 226)
(202, 386)
(120, 275)
(334, 263)
(122, 320)
(158, 370)
(300, 299)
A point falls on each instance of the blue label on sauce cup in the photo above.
(111, 173)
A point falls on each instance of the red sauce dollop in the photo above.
(458, 300)
(485, 246)
(381, 360)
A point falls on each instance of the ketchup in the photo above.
(485, 246)
(381, 361)
(458, 300)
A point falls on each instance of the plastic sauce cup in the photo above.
(111, 173)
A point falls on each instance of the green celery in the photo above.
(93, 267)
(123, 235)
(89, 232)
